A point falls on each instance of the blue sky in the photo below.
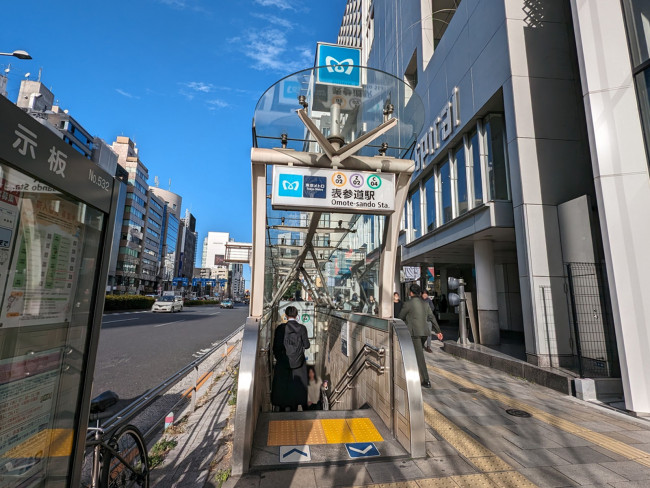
(180, 77)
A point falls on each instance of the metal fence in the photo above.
(186, 379)
(591, 319)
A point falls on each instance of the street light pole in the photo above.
(18, 54)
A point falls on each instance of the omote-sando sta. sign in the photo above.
(330, 189)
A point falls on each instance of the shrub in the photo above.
(198, 303)
(128, 302)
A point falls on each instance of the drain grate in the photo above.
(518, 413)
(467, 390)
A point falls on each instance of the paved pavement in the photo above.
(138, 350)
(473, 442)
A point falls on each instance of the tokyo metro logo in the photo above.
(290, 185)
(336, 66)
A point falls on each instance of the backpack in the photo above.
(293, 344)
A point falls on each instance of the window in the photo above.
(461, 178)
(129, 252)
(153, 223)
(153, 233)
(475, 158)
(445, 190)
(132, 210)
(416, 216)
(136, 199)
(442, 13)
(430, 196)
(155, 204)
(497, 164)
(411, 75)
(637, 16)
(156, 214)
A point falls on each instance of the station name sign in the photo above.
(439, 132)
(335, 190)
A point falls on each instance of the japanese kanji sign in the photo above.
(337, 190)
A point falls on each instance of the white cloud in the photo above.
(190, 89)
(192, 5)
(217, 103)
(281, 4)
(275, 20)
(270, 50)
(125, 93)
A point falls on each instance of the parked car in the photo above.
(168, 304)
(226, 304)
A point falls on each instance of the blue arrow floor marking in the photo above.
(302, 453)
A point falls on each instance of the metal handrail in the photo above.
(354, 370)
(138, 406)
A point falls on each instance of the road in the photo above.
(137, 350)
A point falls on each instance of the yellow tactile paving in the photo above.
(479, 455)
(437, 483)
(602, 440)
(364, 430)
(309, 432)
(325, 431)
(281, 433)
(474, 481)
(490, 464)
(337, 431)
(511, 479)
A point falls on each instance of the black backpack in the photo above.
(293, 344)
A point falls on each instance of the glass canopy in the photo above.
(338, 263)
(378, 96)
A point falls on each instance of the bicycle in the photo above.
(122, 461)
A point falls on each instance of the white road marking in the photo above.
(167, 323)
(121, 320)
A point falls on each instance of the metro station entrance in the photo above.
(330, 172)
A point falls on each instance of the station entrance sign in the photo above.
(333, 190)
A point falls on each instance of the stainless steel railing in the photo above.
(356, 368)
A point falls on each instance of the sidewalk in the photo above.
(473, 442)
(203, 440)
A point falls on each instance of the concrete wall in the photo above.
(383, 393)
(515, 56)
(620, 172)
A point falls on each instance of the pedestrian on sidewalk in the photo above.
(416, 313)
(290, 381)
(434, 323)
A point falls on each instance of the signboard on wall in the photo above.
(345, 338)
(342, 64)
(305, 314)
(329, 189)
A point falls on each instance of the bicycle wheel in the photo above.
(130, 468)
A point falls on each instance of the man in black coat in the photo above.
(289, 387)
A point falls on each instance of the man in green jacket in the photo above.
(416, 313)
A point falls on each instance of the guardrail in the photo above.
(137, 407)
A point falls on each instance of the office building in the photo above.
(229, 276)
(531, 175)
(188, 244)
(171, 232)
(139, 258)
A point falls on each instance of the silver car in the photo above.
(168, 304)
